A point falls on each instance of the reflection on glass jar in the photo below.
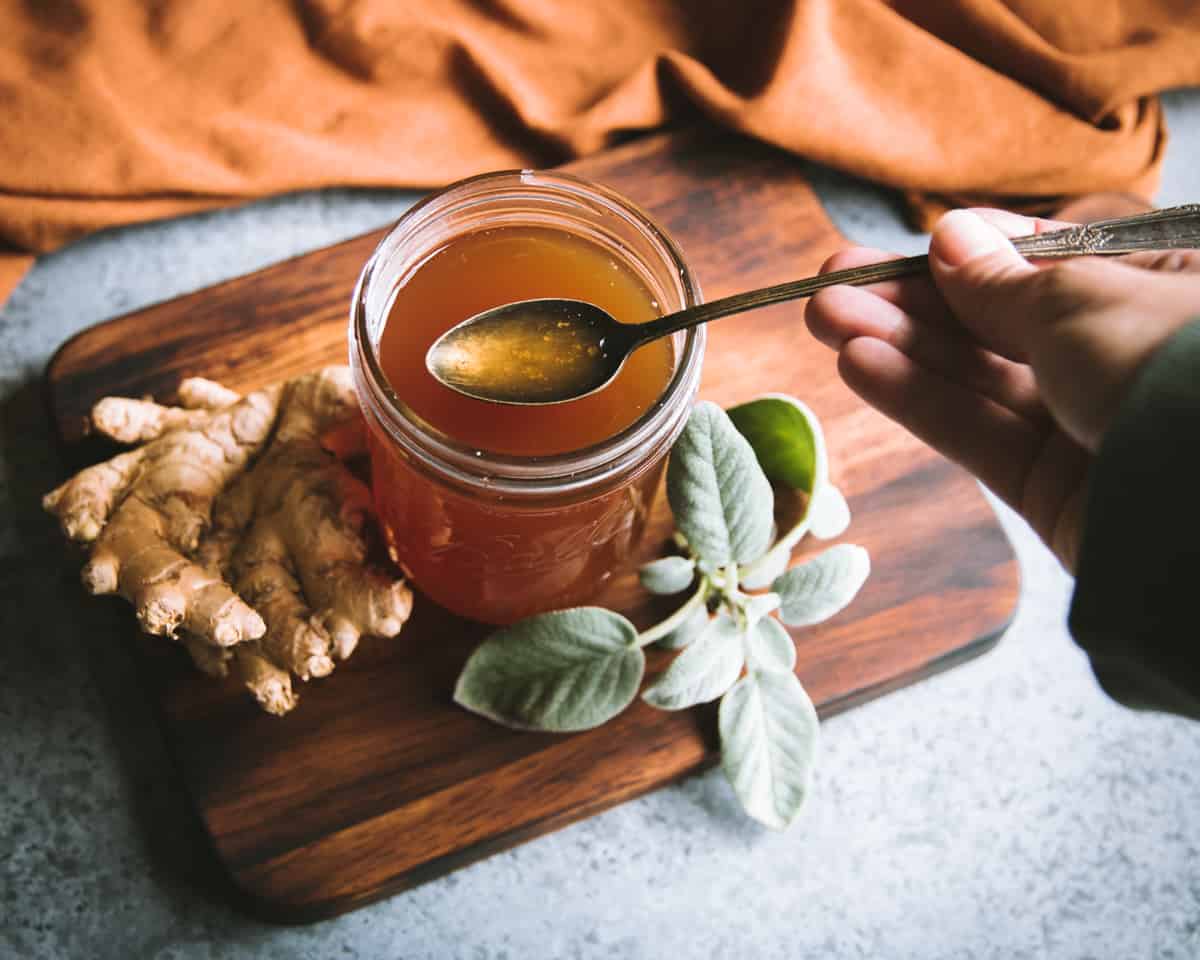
(498, 511)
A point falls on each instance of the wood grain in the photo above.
(377, 781)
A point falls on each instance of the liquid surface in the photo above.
(503, 265)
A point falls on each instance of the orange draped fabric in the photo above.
(113, 111)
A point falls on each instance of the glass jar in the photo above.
(498, 537)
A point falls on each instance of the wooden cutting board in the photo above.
(377, 781)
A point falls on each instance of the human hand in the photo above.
(1013, 369)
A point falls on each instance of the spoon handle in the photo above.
(1172, 228)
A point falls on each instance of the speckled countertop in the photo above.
(1004, 810)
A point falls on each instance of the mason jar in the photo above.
(492, 535)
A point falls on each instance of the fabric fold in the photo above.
(116, 111)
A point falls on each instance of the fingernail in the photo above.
(961, 236)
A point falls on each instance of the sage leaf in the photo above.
(758, 606)
(562, 671)
(786, 439)
(668, 575)
(769, 647)
(723, 503)
(767, 567)
(706, 669)
(828, 513)
(687, 631)
(817, 589)
(769, 733)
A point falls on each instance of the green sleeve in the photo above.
(1136, 607)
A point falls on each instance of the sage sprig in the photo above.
(575, 669)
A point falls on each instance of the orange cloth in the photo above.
(113, 111)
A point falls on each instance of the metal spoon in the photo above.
(551, 350)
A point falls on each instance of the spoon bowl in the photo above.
(550, 350)
(532, 352)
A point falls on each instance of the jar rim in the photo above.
(502, 473)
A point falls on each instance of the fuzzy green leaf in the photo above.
(817, 589)
(828, 513)
(705, 670)
(769, 732)
(668, 575)
(562, 671)
(769, 647)
(767, 568)
(759, 605)
(687, 631)
(721, 499)
(786, 439)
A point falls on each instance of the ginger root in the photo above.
(234, 531)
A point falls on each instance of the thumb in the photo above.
(984, 280)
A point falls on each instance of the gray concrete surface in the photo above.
(1004, 810)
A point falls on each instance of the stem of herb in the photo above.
(787, 542)
(660, 630)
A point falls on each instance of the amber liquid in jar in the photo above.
(481, 556)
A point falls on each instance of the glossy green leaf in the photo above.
(786, 439)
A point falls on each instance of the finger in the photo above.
(916, 294)
(1053, 494)
(1015, 225)
(985, 437)
(1164, 261)
(985, 282)
(841, 314)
